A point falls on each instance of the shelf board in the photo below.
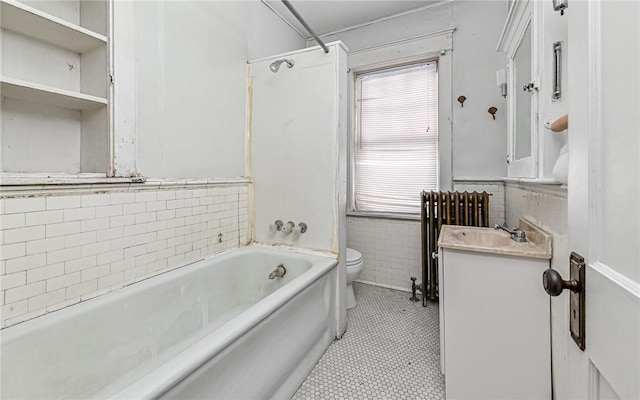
(47, 28)
(18, 89)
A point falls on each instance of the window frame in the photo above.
(355, 131)
(432, 47)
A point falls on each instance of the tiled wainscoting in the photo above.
(391, 248)
(58, 248)
(548, 209)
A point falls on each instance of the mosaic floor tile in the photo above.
(391, 350)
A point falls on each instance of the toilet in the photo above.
(354, 267)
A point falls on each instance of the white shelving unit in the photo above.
(54, 85)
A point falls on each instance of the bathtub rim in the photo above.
(194, 356)
(207, 347)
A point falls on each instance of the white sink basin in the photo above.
(490, 240)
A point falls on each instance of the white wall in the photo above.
(268, 34)
(191, 78)
(298, 156)
(479, 142)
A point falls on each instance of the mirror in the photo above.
(522, 114)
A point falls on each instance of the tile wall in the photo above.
(58, 248)
(548, 209)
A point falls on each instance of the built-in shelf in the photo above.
(47, 28)
(19, 89)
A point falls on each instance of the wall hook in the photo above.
(492, 111)
(461, 99)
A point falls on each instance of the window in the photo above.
(395, 152)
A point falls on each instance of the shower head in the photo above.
(275, 66)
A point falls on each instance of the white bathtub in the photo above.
(215, 329)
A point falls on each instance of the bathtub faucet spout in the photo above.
(278, 272)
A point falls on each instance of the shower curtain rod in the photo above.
(306, 26)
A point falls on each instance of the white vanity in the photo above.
(494, 313)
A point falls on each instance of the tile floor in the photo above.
(391, 350)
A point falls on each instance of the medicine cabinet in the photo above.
(529, 41)
(55, 87)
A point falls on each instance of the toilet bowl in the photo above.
(354, 267)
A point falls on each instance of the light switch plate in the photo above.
(577, 300)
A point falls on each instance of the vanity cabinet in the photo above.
(494, 324)
(55, 87)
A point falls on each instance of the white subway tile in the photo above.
(156, 226)
(82, 288)
(78, 264)
(25, 263)
(77, 214)
(109, 234)
(167, 214)
(109, 211)
(123, 220)
(111, 280)
(111, 256)
(145, 217)
(134, 208)
(95, 224)
(133, 230)
(66, 254)
(44, 273)
(79, 239)
(10, 281)
(184, 194)
(145, 259)
(123, 265)
(95, 272)
(95, 248)
(145, 238)
(10, 251)
(10, 221)
(123, 198)
(145, 196)
(63, 281)
(158, 205)
(174, 204)
(133, 273)
(24, 292)
(12, 310)
(166, 195)
(23, 234)
(63, 229)
(24, 204)
(44, 217)
(46, 299)
(63, 304)
(131, 252)
(62, 202)
(93, 200)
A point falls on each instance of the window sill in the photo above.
(396, 216)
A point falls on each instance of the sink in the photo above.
(489, 240)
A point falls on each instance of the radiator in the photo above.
(446, 208)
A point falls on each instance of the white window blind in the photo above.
(396, 138)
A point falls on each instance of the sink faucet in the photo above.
(278, 272)
(516, 233)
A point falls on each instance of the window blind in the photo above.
(396, 138)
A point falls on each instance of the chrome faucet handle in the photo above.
(516, 234)
(276, 226)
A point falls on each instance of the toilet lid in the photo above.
(353, 256)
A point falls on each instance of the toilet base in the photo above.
(351, 297)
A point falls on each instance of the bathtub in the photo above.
(218, 328)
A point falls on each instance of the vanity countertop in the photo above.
(490, 240)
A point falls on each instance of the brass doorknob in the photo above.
(554, 284)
